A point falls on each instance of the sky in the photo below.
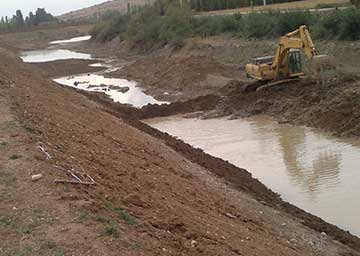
(55, 7)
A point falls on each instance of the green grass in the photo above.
(112, 230)
(29, 129)
(8, 222)
(101, 218)
(122, 213)
(3, 144)
(83, 215)
(15, 156)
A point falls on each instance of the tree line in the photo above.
(18, 23)
(211, 5)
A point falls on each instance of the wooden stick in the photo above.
(75, 182)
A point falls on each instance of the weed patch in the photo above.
(14, 157)
(122, 213)
(112, 230)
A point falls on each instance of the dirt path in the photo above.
(149, 199)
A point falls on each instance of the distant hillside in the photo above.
(99, 9)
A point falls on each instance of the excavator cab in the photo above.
(295, 65)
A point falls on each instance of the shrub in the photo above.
(107, 31)
(289, 21)
(350, 24)
(160, 24)
(259, 25)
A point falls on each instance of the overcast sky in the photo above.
(55, 7)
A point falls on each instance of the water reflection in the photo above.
(120, 90)
(310, 169)
(52, 55)
(311, 174)
(72, 40)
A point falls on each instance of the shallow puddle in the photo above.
(72, 40)
(52, 55)
(120, 90)
(312, 170)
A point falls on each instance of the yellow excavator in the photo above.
(286, 64)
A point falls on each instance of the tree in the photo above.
(19, 20)
(355, 2)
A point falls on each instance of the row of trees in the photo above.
(171, 21)
(18, 23)
(209, 5)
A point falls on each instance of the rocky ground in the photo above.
(154, 195)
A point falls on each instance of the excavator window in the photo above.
(295, 65)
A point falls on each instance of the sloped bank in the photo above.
(239, 178)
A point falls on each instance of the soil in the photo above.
(61, 68)
(154, 194)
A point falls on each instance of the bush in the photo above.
(159, 24)
(107, 31)
(290, 21)
(259, 25)
(350, 24)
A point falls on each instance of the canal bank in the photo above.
(241, 179)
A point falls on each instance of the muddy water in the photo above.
(52, 55)
(120, 90)
(317, 172)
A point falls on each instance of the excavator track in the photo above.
(263, 85)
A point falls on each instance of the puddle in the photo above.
(52, 55)
(72, 40)
(120, 90)
(312, 170)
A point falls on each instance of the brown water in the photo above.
(312, 170)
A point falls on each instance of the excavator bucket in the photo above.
(323, 67)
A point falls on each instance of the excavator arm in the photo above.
(298, 39)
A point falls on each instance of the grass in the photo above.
(26, 251)
(29, 129)
(15, 156)
(83, 215)
(8, 222)
(102, 219)
(122, 213)
(3, 144)
(7, 179)
(37, 218)
(52, 247)
(112, 230)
